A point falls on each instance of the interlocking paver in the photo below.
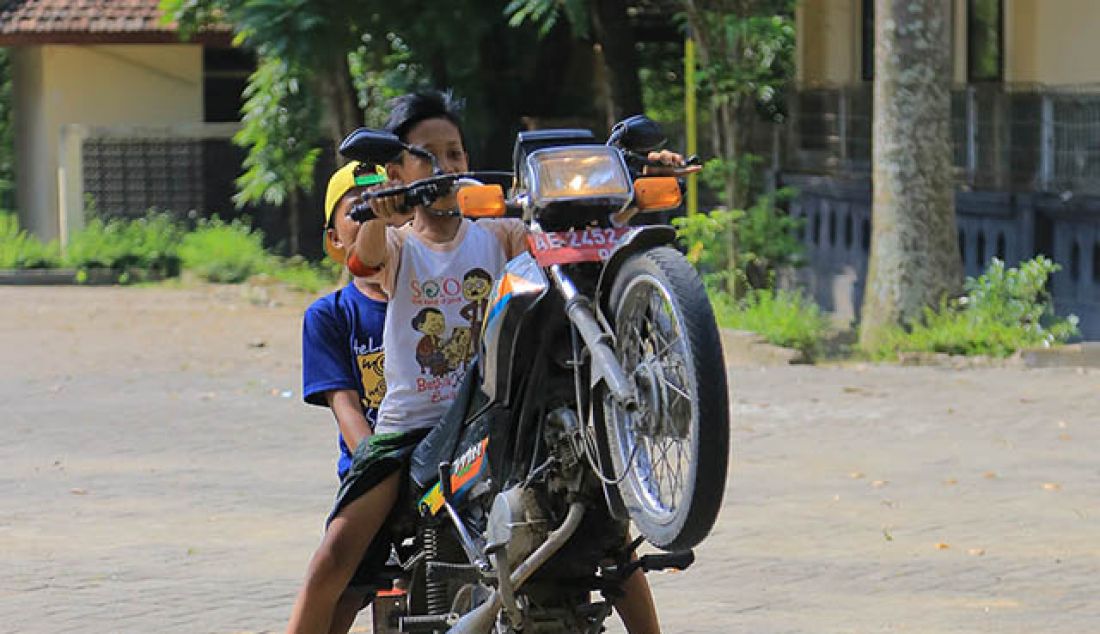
(153, 477)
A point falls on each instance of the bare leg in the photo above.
(339, 554)
(636, 607)
(347, 608)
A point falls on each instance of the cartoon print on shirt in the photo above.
(459, 348)
(476, 286)
(429, 350)
(374, 382)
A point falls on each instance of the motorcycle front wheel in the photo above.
(672, 451)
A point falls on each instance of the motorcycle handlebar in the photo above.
(422, 192)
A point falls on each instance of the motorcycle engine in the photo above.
(517, 523)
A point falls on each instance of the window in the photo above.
(985, 40)
(225, 74)
(867, 40)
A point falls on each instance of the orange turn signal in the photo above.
(481, 201)
(656, 193)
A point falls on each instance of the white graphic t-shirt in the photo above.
(439, 296)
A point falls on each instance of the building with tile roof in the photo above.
(110, 105)
(28, 22)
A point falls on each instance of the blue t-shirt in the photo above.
(342, 350)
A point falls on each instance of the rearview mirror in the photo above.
(373, 147)
(638, 134)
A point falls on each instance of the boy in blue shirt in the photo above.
(342, 355)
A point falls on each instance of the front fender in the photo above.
(636, 240)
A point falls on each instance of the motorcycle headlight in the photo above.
(577, 173)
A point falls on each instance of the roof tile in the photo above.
(69, 19)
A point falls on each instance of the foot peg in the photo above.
(679, 560)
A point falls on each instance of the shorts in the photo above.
(379, 457)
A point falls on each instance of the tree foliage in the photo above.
(280, 128)
(745, 60)
(546, 13)
(350, 59)
(301, 46)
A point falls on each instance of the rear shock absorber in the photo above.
(435, 589)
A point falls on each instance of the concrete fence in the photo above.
(1012, 227)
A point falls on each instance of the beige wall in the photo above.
(93, 85)
(32, 154)
(828, 41)
(1052, 42)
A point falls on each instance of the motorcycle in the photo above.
(598, 398)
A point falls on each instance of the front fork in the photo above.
(605, 367)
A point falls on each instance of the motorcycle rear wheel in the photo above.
(674, 449)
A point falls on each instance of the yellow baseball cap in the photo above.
(342, 181)
(346, 178)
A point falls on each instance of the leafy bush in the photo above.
(21, 250)
(224, 252)
(708, 239)
(148, 243)
(783, 318)
(767, 240)
(737, 246)
(718, 173)
(1004, 309)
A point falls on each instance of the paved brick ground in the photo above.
(156, 476)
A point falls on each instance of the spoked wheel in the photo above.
(674, 448)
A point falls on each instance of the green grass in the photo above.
(783, 318)
(306, 276)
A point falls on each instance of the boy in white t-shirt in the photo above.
(430, 269)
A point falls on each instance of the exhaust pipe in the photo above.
(481, 619)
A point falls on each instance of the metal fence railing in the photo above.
(1009, 138)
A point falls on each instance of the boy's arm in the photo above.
(510, 232)
(376, 252)
(371, 250)
(370, 246)
(353, 425)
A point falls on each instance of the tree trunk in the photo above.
(341, 101)
(614, 35)
(294, 221)
(914, 259)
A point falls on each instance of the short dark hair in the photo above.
(419, 319)
(478, 273)
(408, 110)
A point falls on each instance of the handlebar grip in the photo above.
(362, 212)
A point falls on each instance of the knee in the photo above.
(331, 561)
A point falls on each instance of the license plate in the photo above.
(594, 244)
